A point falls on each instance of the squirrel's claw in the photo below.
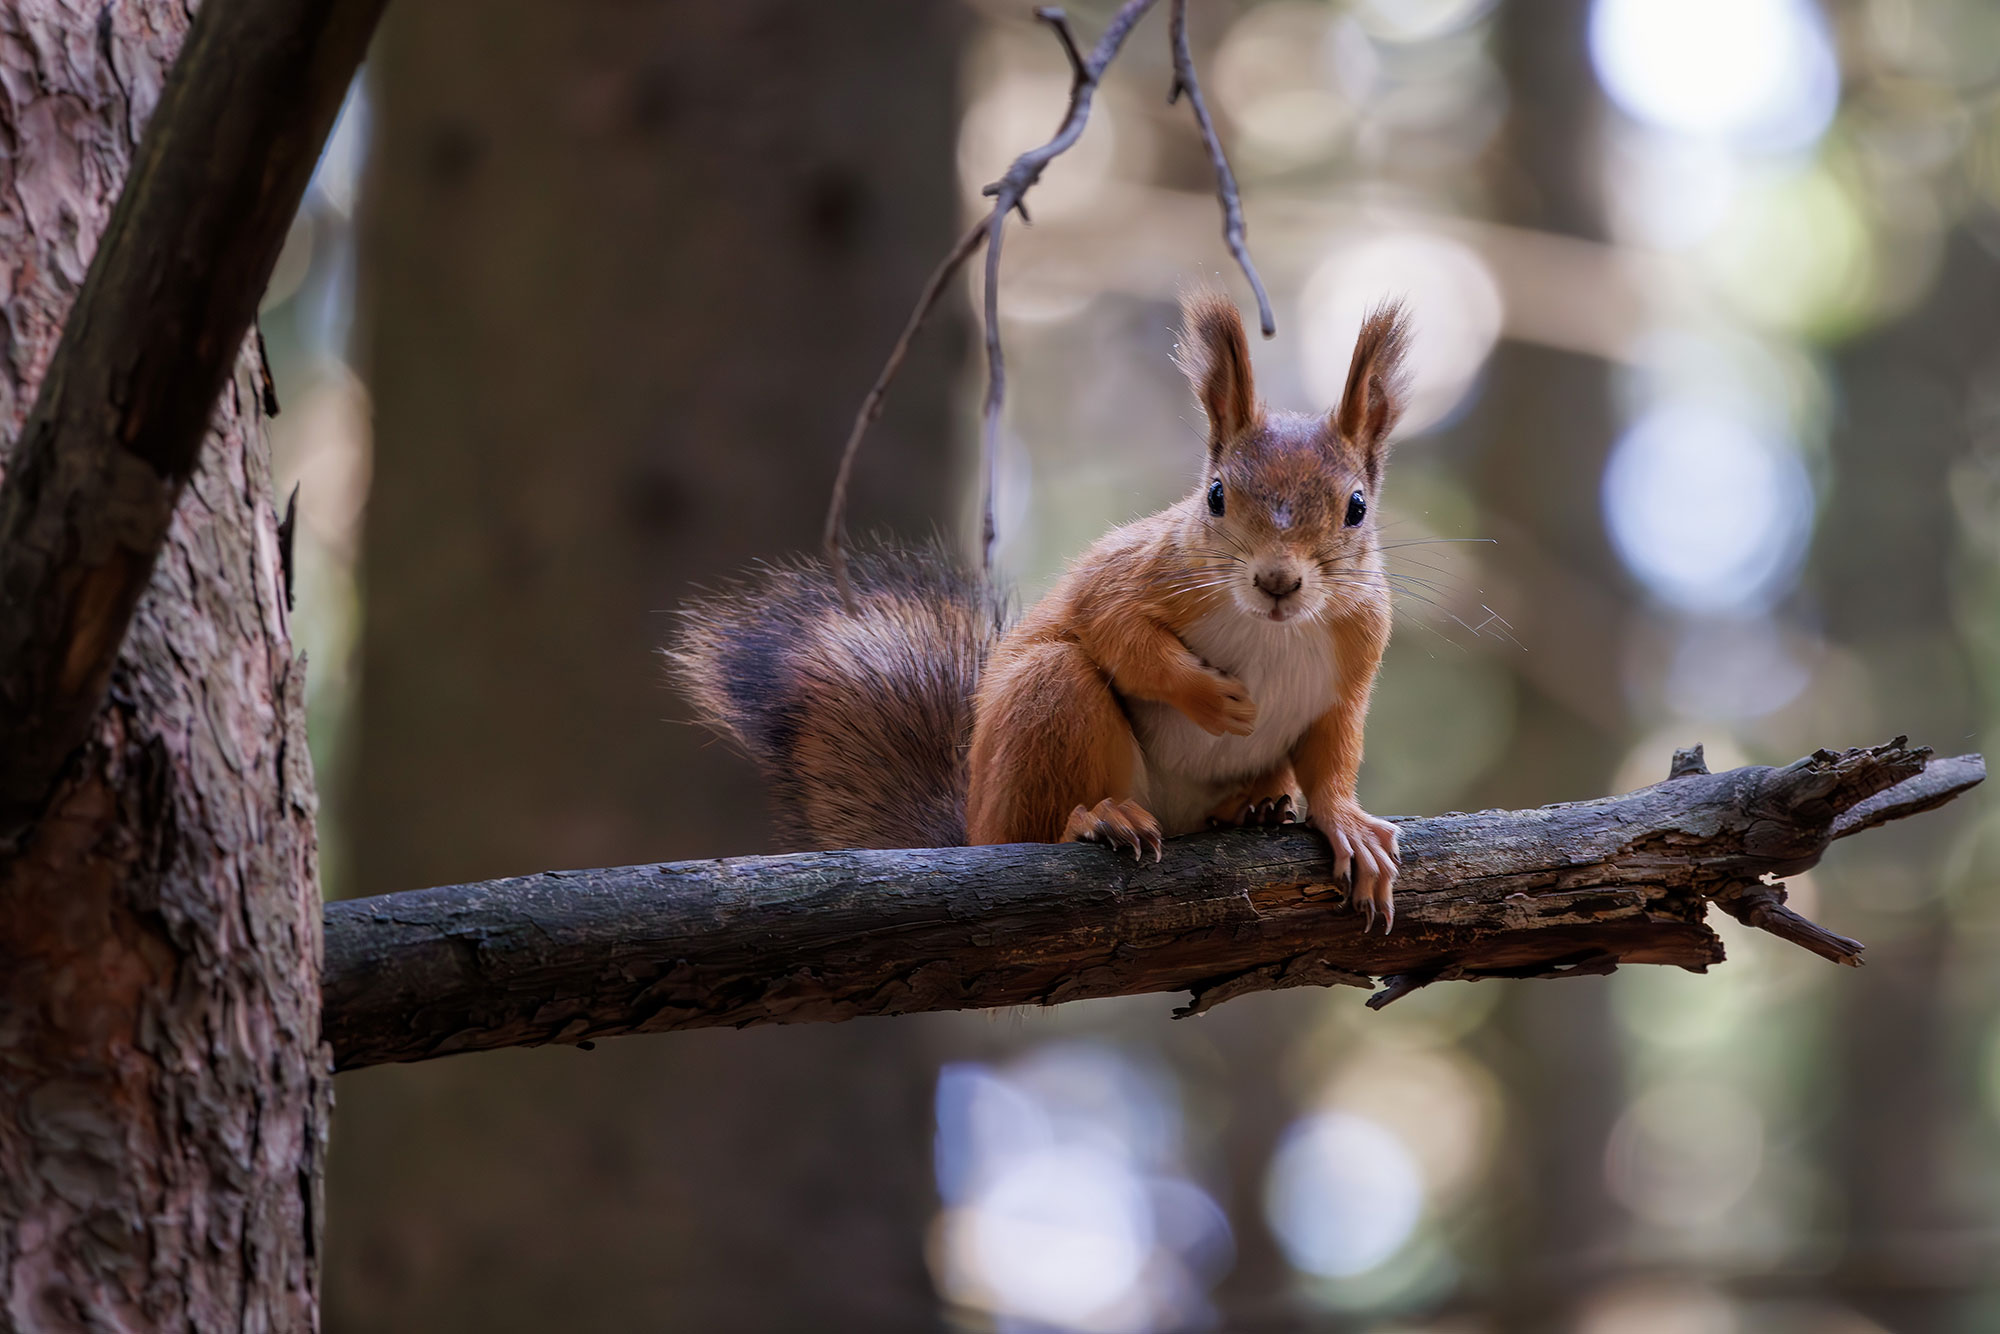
(1265, 812)
(1275, 811)
(1123, 826)
(1365, 858)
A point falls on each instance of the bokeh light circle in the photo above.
(1343, 1194)
(1711, 514)
(1455, 314)
(1762, 73)
(1060, 1235)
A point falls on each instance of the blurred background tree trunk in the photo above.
(1905, 1062)
(625, 271)
(1546, 423)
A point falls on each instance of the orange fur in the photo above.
(1188, 667)
(1076, 704)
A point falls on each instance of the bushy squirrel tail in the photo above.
(860, 722)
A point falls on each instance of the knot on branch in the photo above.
(1688, 761)
(1798, 810)
(1825, 784)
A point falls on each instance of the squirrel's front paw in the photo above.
(1222, 706)
(1365, 853)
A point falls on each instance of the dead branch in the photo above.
(124, 406)
(1009, 195)
(573, 956)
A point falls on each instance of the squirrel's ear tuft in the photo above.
(1215, 356)
(1377, 384)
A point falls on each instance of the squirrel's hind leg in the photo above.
(1053, 756)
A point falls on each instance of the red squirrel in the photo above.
(1210, 664)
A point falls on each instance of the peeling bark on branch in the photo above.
(126, 400)
(573, 956)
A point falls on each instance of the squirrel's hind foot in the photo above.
(1123, 825)
(1264, 813)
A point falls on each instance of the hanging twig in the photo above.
(871, 406)
(1225, 179)
(1008, 194)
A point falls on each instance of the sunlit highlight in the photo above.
(1760, 72)
(1795, 253)
(1710, 514)
(1059, 1235)
(1455, 309)
(1444, 1102)
(1668, 191)
(1343, 1195)
(1278, 75)
(1063, 1205)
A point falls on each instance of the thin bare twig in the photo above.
(1058, 20)
(1225, 179)
(1008, 194)
(871, 406)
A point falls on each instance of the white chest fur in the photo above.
(1290, 672)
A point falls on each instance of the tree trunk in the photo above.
(163, 1088)
(625, 274)
(1549, 419)
(1901, 1083)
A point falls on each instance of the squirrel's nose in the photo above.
(1279, 584)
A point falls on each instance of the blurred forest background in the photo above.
(1708, 307)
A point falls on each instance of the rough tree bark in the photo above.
(570, 957)
(163, 1087)
(119, 416)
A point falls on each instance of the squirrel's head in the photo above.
(1285, 511)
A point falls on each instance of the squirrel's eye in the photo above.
(1215, 497)
(1357, 508)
